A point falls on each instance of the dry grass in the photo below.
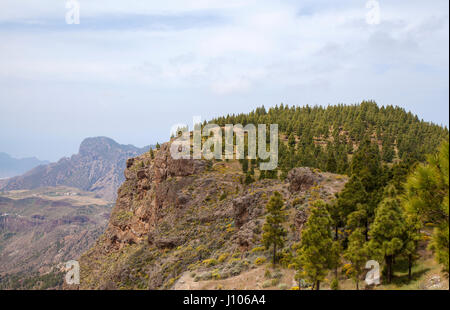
(249, 280)
(74, 196)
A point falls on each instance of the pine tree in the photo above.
(331, 162)
(272, 174)
(248, 179)
(400, 172)
(262, 174)
(274, 232)
(427, 194)
(335, 259)
(387, 230)
(343, 166)
(335, 216)
(152, 154)
(411, 240)
(244, 165)
(314, 253)
(359, 219)
(366, 164)
(388, 152)
(358, 254)
(291, 140)
(352, 195)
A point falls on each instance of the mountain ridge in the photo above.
(10, 166)
(97, 167)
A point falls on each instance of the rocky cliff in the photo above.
(177, 222)
(98, 167)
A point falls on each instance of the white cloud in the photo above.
(237, 85)
(248, 52)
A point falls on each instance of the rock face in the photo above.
(145, 176)
(246, 211)
(301, 179)
(98, 167)
(174, 216)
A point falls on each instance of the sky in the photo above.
(132, 69)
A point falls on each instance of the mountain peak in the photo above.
(98, 167)
(97, 145)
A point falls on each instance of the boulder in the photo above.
(301, 179)
(130, 162)
(246, 210)
(164, 242)
(182, 199)
(166, 166)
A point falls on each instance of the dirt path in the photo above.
(252, 279)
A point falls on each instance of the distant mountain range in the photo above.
(98, 167)
(10, 167)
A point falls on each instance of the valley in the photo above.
(42, 229)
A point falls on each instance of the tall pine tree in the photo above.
(314, 255)
(274, 232)
(387, 230)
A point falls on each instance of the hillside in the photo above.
(175, 216)
(98, 167)
(41, 229)
(326, 137)
(187, 224)
(10, 167)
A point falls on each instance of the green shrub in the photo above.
(215, 274)
(258, 249)
(277, 275)
(223, 257)
(210, 262)
(334, 284)
(260, 261)
(223, 196)
(267, 284)
(236, 255)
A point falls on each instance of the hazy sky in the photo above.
(131, 69)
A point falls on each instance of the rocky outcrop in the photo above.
(246, 211)
(246, 208)
(162, 242)
(302, 178)
(148, 181)
(98, 167)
